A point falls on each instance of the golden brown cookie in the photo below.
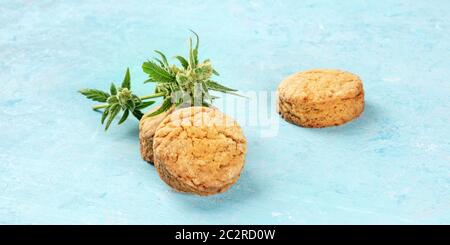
(199, 150)
(321, 98)
(147, 128)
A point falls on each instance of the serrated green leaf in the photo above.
(126, 80)
(157, 73)
(183, 61)
(130, 105)
(150, 80)
(204, 86)
(124, 117)
(163, 57)
(160, 62)
(192, 63)
(137, 100)
(137, 114)
(218, 87)
(113, 89)
(215, 72)
(105, 114)
(167, 103)
(145, 104)
(113, 111)
(95, 94)
(205, 90)
(195, 51)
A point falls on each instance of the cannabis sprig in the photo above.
(118, 99)
(187, 85)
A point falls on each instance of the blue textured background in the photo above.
(391, 166)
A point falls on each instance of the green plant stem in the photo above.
(151, 96)
(96, 107)
(146, 97)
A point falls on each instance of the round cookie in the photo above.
(320, 98)
(147, 128)
(199, 150)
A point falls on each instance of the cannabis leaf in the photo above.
(144, 105)
(193, 53)
(124, 116)
(183, 61)
(164, 107)
(218, 87)
(113, 89)
(120, 99)
(157, 73)
(126, 80)
(95, 94)
(113, 111)
(164, 59)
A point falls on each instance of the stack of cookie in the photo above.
(196, 149)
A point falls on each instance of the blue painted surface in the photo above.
(391, 166)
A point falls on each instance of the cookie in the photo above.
(320, 98)
(199, 150)
(147, 128)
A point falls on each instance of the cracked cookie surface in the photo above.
(320, 98)
(199, 150)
